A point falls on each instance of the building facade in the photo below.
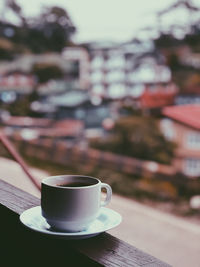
(127, 69)
(182, 125)
(80, 56)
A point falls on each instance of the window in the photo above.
(115, 76)
(98, 89)
(97, 76)
(193, 140)
(80, 114)
(11, 80)
(116, 91)
(167, 129)
(23, 80)
(136, 90)
(115, 62)
(97, 62)
(144, 73)
(192, 167)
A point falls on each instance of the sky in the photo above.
(100, 20)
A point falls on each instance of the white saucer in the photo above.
(106, 220)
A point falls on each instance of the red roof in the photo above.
(187, 114)
(17, 80)
(158, 98)
(47, 127)
(20, 121)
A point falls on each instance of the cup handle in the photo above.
(108, 194)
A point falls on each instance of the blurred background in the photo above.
(109, 90)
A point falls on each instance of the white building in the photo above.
(123, 70)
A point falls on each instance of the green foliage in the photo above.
(51, 30)
(20, 107)
(45, 72)
(175, 50)
(167, 41)
(6, 49)
(173, 62)
(138, 137)
(129, 110)
(193, 40)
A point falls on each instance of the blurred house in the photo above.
(182, 125)
(184, 99)
(15, 83)
(79, 56)
(36, 128)
(25, 62)
(73, 61)
(19, 122)
(79, 105)
(157, 96)
(111, 67)
(188, 57)
(133, 69)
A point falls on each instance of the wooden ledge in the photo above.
(28, 248)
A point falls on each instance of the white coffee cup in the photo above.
(71, 202)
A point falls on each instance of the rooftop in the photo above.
(31, 128)
(21, 121)
(187, 114)
(158, 96)
(69, 99)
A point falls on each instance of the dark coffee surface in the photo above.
(74, 184)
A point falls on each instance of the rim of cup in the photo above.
(49, 178)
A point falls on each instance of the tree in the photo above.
(138, 137)
(16, 8)
(51, 30)
(6, 49)
(45, 72)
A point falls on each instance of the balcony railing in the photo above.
(21, 247)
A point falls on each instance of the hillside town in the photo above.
(125, 111)
(138, 101)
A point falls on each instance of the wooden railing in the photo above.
(22, 247)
